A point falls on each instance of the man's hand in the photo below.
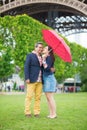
(52, 69)
(27, 81)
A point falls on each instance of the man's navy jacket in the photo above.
(32, 67)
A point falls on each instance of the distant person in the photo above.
(8, 88)
(49, 81)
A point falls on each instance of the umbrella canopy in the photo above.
(58, 44)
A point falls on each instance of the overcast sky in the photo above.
(79, 38)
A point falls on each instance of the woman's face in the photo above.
(45, 50)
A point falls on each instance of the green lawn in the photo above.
(71, 111)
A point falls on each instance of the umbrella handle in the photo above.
(50, 50)
(54, 48)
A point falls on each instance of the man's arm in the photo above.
(27, 68)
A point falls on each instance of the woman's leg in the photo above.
(51, 104)
(47, 97)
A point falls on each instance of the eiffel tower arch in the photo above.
(65, 16)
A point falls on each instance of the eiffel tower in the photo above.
(65, 16)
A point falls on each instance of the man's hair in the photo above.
(38, 43)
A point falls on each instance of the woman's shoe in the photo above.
(48, 116)
(51, 117)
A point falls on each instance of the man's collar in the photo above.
(35, 53)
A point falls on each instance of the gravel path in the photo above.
(11, 93)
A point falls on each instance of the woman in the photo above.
(49, 81)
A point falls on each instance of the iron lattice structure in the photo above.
(65, 16)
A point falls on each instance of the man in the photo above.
(33, 77)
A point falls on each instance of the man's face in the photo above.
(39, 48)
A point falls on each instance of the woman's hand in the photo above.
(44, 56)
(52, 69)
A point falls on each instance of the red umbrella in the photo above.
(58, 44)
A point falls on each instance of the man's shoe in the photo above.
(37, 116)
(28, 115)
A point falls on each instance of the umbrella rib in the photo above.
(57, 46)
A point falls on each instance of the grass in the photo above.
(71, 111)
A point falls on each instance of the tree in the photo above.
(6, 67)
(83, 72)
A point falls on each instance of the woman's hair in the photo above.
(51, 53)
